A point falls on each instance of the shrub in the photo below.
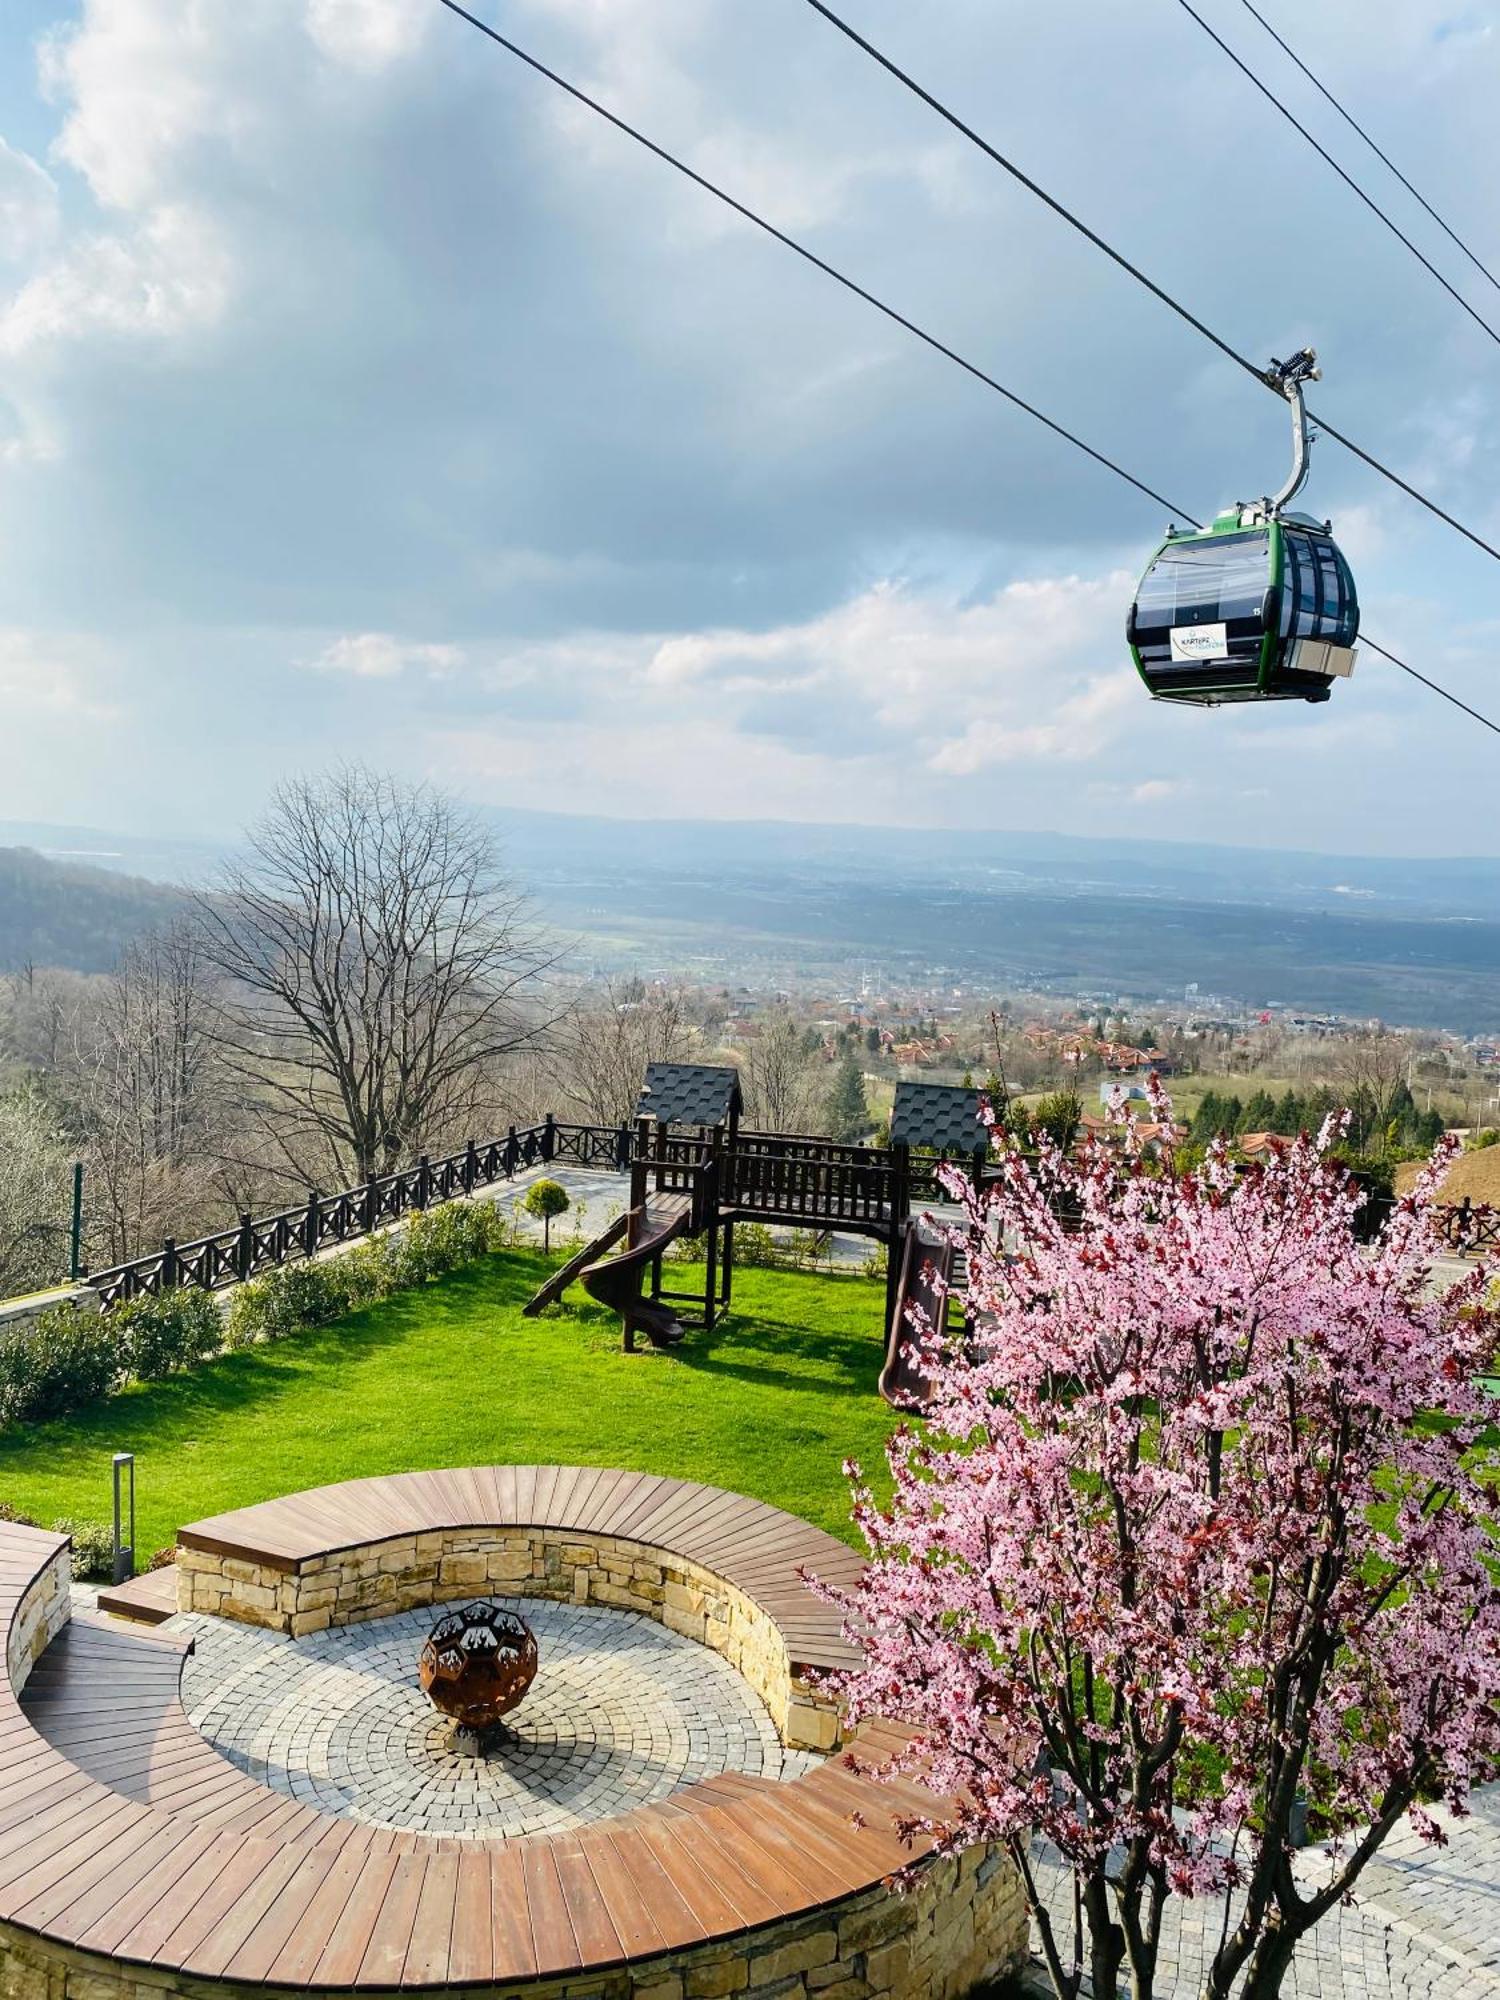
(159, 1335)
(54, 1363)
(433, 1242)
(755, 1247)
(371, 1270)
(15, 1517)
(438, 1240)
(286, 1300)
(93, 1552)
(1478, 1142)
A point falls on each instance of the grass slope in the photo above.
(770, 1404)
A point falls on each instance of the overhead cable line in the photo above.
(931, 340)
(1344, 175)
(810, 256)
(1384, 157)
(1262, 375)
(1437, 688)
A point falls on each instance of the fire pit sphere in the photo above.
(477, 1664)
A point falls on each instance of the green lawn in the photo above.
(769, 1404)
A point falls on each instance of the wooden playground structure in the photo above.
(695, 1173)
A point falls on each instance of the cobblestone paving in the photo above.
(1425, 1925)
(621, 1712)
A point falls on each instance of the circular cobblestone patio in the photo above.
(622, 1712)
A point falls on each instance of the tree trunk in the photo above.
(1106, 1939)
(1270, 1961)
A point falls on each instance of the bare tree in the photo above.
(602, 1051)
(34, 1194)
(379, 962)
(1368, 1072)
(40, 1009)
(149, 1097)
(781, 1083)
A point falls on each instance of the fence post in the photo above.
(424, 1182)
(510, 1153)
(310, 1224)
(549, 1137)
(622, 1149)
(244, 1250)
(168, 1264)
(471, 1167)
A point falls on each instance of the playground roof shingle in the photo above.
(690, 1093)
(944, 1116)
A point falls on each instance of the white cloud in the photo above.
(367, 35)
(47, 678)
(28, 205)
(378, 656)
(169, 275)
(1031, 671)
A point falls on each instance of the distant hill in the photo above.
(60, 913)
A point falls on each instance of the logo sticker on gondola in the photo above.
(1200, 642)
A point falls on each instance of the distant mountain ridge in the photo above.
(774, 903)
(57, 913)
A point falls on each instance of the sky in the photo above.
(362, 397)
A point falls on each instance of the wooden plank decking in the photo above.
(122, 1832)
(758, 1548)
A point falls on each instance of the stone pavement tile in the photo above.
(622, 1712)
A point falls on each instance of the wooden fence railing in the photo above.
(257, 1243)
(791, 1178)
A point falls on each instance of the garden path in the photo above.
(1425, 1926)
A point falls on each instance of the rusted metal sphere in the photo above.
(477, 1664)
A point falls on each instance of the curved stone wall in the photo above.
(406, 1571)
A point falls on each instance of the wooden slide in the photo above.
(926, 1268)
(616, 1281)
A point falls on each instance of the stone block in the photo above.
(669, 1988)
(683, 1597)
(507, 1567)
(718, 1979)
(468, 1569)
(887, 1965)
(877, 1923)
(304, 1622)
(690, 1626)
(809, 1728)
(797, 1955)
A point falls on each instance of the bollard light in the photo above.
(124, 1565)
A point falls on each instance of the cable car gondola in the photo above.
(1259, 607)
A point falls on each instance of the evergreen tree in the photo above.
(1208, 1119)
(848, 1115)
(1234, 1116)
(1260, 1113)
(1288, 1115)
(1429, 1129)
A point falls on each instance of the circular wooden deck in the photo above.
(131, 1850)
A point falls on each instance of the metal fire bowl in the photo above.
(477, 1664)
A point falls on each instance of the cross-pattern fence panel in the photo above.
(1470, 1225)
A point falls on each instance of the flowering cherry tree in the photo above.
(1193, 1547)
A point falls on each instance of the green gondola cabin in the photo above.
(1259, 607)
(1263, 610)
